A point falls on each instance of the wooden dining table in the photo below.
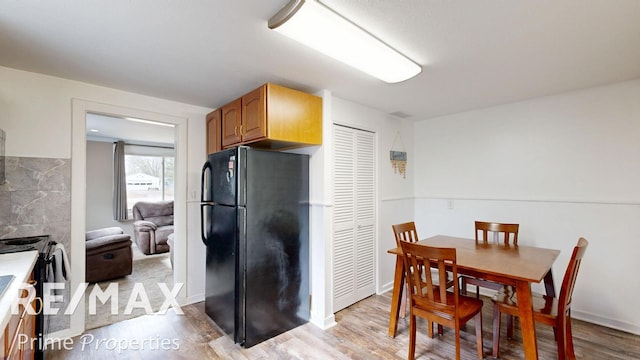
(518, 266)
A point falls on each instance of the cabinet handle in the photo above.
(242, 133)
(235, 131)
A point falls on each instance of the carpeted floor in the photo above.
(147, 270)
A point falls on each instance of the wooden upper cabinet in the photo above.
(231, 121)
(214, 128)
(293, 116)
(254, 119)
(273, 117)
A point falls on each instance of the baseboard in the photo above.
(324, 324)
(607, 322)
(194, 299)
(385, 287)
(584, 316)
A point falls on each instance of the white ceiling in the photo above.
(474, 53)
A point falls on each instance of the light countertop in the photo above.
(20, 265)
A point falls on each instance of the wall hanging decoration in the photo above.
(398, 157)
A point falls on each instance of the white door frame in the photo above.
(78, 197)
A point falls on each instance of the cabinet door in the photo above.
(28, 331)
(214, 128)
(254, 111)
(231, 121)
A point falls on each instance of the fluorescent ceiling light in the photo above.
(148, 122)
(315, 25)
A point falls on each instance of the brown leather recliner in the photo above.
(108, 253)
(152, 226)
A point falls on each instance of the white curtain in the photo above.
(119, 183)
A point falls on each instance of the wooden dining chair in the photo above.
(555, 312)
(506, 234)
(434, 303)
(407, 232)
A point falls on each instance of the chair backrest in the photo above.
(569, 280)
(158, 212)
(424, 290)
(405, 232)
(508, 233)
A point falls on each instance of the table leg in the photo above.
(398, 284)
(548, 284)
(550, 289)
(527, 325)
(403, 302)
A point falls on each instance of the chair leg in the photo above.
(430, 329)
(569, 340)
(560, 340)
(509, 326)
(403, 302)
(457, 330)
(479, 335)
(496, 330)
(463, 285)
(412, 337)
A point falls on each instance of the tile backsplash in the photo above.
(35, 200)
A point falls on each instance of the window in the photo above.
(150, 173)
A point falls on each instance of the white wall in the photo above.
(320, 199)
(99, 197)
(563, 167)
(36, 114)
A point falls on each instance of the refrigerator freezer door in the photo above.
(224, 172)
(220, 289)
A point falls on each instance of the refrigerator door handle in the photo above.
(203, 228)
(203, 185)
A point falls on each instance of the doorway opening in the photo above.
(149, 159)
(80, 198)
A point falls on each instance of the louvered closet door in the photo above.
(354, 216)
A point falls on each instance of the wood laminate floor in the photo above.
(360, 333)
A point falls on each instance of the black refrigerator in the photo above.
(255, 224)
